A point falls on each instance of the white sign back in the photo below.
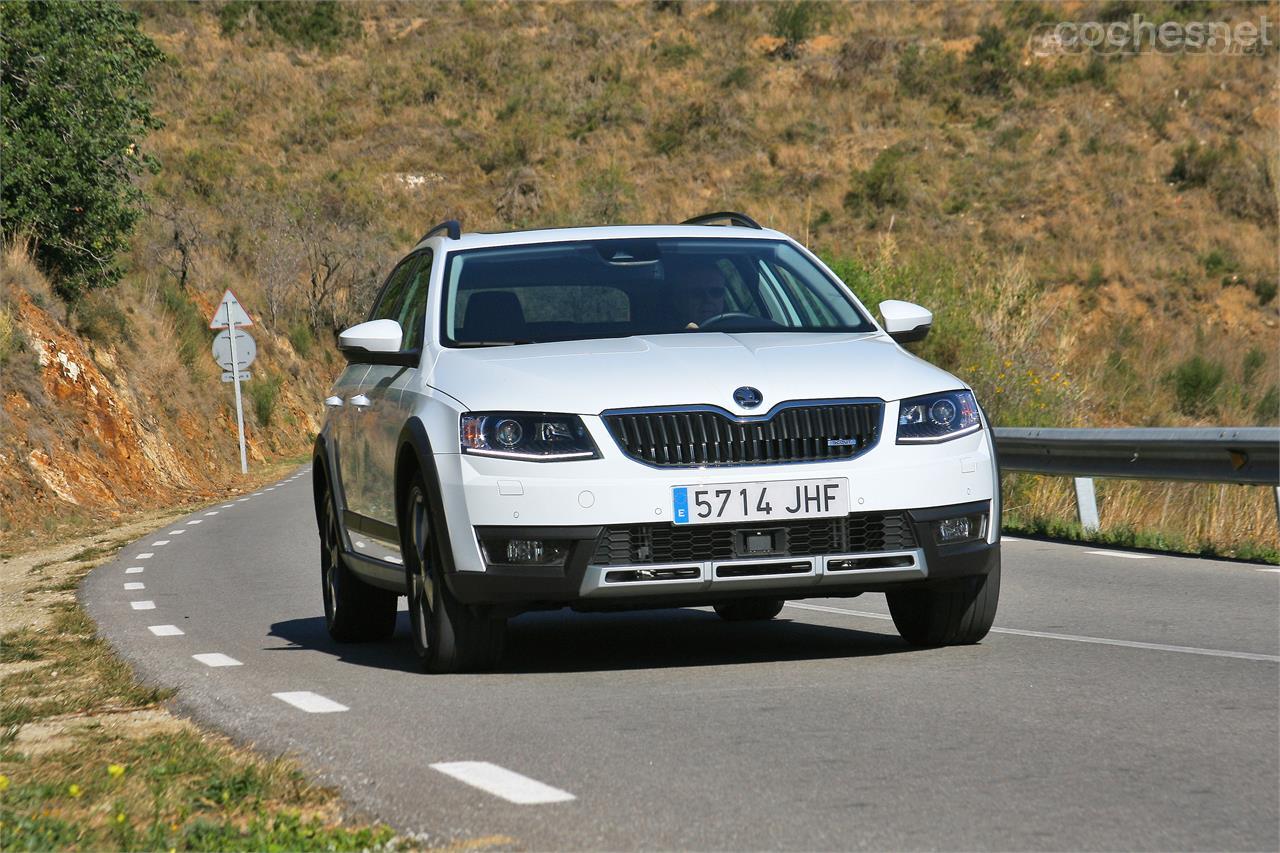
(246, 350)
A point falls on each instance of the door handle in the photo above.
(360, 401)
(333, 402)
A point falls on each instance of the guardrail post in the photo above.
(1087, 503)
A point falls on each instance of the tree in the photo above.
(74, 104)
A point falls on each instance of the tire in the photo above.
(354, 611)
(447, 635)
(956, 613)
(749, 609)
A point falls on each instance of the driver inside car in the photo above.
(700, 295)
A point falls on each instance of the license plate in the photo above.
(781, 500)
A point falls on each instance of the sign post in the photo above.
(229, 315)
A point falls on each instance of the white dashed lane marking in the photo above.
(212, 512)
(159, 542)
(312, 703)
(194, 521)
(135, 585)
(242, 500)
(133, 570)
(1273, 571)
(501, 782)
(176, 532)
(1072, 638)
(228, 506)
(217, 659)
(1123, 555)
(166, 630)
(1009, 539)
(142, 605)
(146, 555)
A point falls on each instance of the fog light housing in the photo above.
(525, 552)
(963, 528)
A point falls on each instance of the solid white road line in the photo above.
(146, 555)
(501, 782)
(217, 659)
(1072, 638)
(135, 585)
(133, 570)
(1009, 539)
(159, 542)
(166, 630)
(142, 605)
(1123, 555)
(1273, 571)
(312, 703)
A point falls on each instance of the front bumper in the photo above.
(588, 577)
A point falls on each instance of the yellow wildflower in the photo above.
(115, 771)
(74, 790)
(120, 817)
(4, 782)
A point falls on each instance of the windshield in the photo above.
(617, 288)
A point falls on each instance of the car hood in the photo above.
(588, 377)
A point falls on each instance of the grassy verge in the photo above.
(91, 760)
(1126, 536)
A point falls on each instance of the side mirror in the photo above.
(376, 337)
(905, 322)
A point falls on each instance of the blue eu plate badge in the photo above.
(680, 501)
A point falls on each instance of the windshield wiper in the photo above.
(468, 344)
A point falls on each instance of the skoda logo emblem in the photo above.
(747, 397)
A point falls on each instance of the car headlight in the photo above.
(937, 417)
(536, 437)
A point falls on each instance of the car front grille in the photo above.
(703, 437)
(861, 533)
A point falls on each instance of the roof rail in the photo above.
(451, 227)
(740, 219)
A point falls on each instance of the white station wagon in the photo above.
(646, 416)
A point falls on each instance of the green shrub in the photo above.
(795, 21)
(301, 337)
(992, 64)
(100, 318)
(885, 184)
(11, 342)
(1265, 290)
(189, 325)
(1242, 185)
(263, 394)
(1267, 412)
(1219, 261)
(1254, 359)
(76, 100)
(318, 24)
(1196, 383)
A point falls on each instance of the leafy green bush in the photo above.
(992, 65)
(1196, 382)
(263, 394)
(795, 21)
(319, 24)
(885, 184)
(1267, 412)
(100, 318)
(76, 101)
(301, 337)
(189, 325)
(1265, 290)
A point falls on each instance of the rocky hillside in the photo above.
(1097, 234)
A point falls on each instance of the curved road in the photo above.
(1125, 701)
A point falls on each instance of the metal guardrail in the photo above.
(1239, 455)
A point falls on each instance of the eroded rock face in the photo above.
(93, 444)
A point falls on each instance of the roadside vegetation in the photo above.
(91, 760)
(1096, 234)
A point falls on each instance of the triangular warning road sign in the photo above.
(229, 311)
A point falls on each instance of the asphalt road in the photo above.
(1124, 702)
